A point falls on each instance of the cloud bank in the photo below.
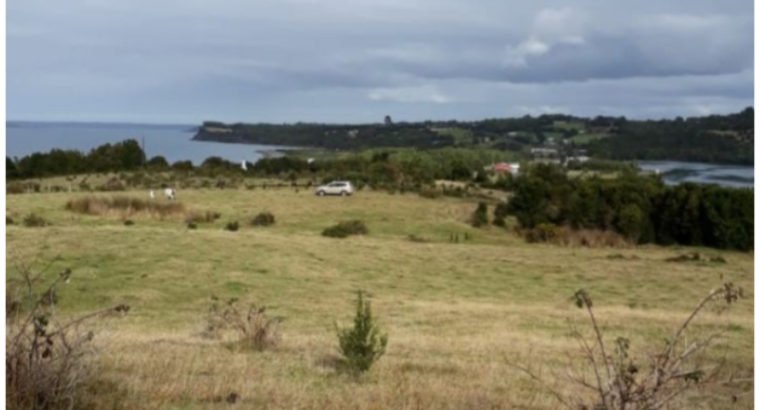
(355, 61)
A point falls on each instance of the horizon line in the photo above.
(151, 123)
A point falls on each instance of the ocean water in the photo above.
(676, 172)
(171, 141)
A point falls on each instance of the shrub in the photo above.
(263, 219)
(8, 220)
(129, 222)
(563, 235)
(34, 221)
(346, 228)
(93, 205)
(48, 361)
(455, 238)
(623, 381)
(618, 256)
(254, 328)
(686, 257)
(480, 215)
(14, 188)
(363, 344)
(232, 226)
(22, 187)
(544, 232)
(191, 225)
(113, 184)
(500, 213)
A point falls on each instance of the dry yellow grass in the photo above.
(456, 313)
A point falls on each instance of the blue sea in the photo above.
(174, 142)
(676, 172)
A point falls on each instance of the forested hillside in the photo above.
(715, 138)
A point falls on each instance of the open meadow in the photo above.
(461, 316)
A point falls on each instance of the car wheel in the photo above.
(321, 193)
(343, 193)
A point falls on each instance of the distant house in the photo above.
(502, 168)
(388, 120)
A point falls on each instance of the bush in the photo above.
(563, 235)
(34, 221)
(624, 381)
(500, 213)
(22, 187)
(345, 229)
(363, 344)
(48, 362)
(126, 205)
(8, 220)
(113, 184)
(254, 328)
(191, 225)
(129, 222)
(480, 215)
(232, 226)
(14, 188)
(543, 233)
(263, 219)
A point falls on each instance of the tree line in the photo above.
(380, 168)
(642, 208)
(375, 167)
(715, 138)
(122, 156)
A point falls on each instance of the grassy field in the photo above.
(457, 314)
(587, 138)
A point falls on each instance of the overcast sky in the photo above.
(184, 61)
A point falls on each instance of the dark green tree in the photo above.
(363, 344)
(480, 215)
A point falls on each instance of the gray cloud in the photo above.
(341, 60)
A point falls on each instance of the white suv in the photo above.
(342, 188)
